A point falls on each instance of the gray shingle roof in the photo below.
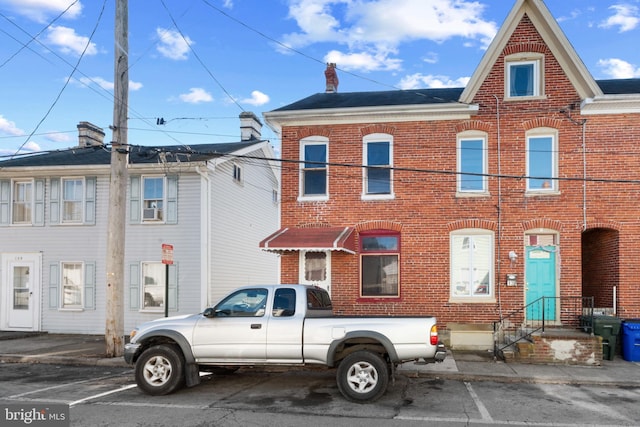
(100, 155)
(374, 99)
(620, 86)
(421, 96)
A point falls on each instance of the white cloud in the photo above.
(379, 27)
(172, 45)
(257, 98)
(68, 41)
(106, 84)
(626, 17)
(57, 136)
(196, 95)
(31, 146)
(42, 10)
(8, 127)
(364, 61)
(418, 80)
(618, 68)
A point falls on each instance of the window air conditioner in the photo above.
(151, 214)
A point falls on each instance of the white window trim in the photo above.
(537, 59)
(82, 202)
(164, 200)
(143, 308)
(541, 133)
(312, 140)
(481, 299)
(377, 137)
(82, 285)
(12, 200)
(465, 136)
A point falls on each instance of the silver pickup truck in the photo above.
(280, 325)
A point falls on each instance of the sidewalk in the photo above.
(65, 349)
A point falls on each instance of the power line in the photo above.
(26, 45)
(200, 60)
(66, 83)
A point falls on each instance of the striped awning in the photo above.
(311, 239)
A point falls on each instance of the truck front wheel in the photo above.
(362, 376)
(160, 370)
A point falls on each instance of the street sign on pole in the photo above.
(167, 260)
(167, 254)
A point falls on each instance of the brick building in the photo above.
(469, 203)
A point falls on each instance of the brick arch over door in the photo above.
(472, 223)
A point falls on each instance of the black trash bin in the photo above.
(607, 327)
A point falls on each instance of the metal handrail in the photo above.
(522, 323)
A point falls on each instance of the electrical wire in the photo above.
(26, 45)
(66, 83)
(175, 24)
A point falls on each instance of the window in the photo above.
(472, 164)
(378, 159)
(313, 176)
(237, 173)
(72, 199)
(542, 169)
(243, 303)
(153, 285)
(153, 198)
(315, 266)
(284, 302)
(471, 264)
(315, 269)
(72, 284)
(524, 75)
(380, 263)
(22, 202)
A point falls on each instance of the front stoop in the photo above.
(560, 347)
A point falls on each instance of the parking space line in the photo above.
(106, 393)
(16, 396)
(486, 416)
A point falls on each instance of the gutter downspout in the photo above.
(499, 278)
(584, 175)
(205, 244)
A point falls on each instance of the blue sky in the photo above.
(199, 63)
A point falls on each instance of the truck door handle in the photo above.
(256, 326)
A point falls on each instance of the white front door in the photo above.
(21, 291)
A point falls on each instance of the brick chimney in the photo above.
(250, 126)
(90, 135)
(332, 78)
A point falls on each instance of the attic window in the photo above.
(237, 173)
(524, 76)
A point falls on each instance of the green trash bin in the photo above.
(608, 327)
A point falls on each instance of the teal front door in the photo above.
(541, 281)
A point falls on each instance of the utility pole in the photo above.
(114, 328)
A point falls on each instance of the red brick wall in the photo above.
(426, 209)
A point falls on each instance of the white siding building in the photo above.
(211, 202)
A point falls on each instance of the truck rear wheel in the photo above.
(363, 376)
(160, 370)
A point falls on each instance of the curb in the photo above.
(116, 362)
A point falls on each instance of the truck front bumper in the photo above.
(130, 351)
